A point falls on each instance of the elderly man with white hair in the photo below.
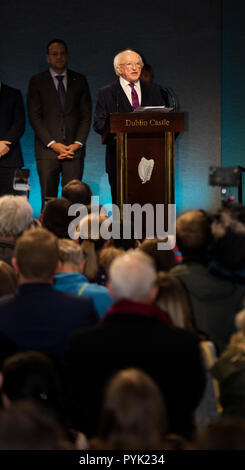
(15, 217)
(124, 95)
(134, 333)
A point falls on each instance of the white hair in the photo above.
(70, 252)
(132, 276)
(116, 61)
(15, 215)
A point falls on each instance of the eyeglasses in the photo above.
(132, 64)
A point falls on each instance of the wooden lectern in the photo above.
(150, 136)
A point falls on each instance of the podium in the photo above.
(145, 156)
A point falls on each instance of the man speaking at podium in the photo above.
(123, 96)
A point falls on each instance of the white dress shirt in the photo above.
(56, 82)
(128, 90)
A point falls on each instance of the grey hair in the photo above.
(132, 276)
(15, 215)
(70, 252)
(117, 59)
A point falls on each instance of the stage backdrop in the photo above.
(182, 42)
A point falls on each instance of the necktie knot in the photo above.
(59, 78)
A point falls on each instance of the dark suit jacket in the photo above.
(112, 99)
(171, 356)
(48, 118)
(40, 318)
(12, 125)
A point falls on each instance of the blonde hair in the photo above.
(90, 246)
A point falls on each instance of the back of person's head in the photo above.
(31, 375)
(193, 233)
(173, 299)
(225, 434)
(78, 192)
(91, 243)
(133, 412)
(70, 252)
(29, 426)
(164, 260)
(8, 279)
(106, 256)
(15, 215)
(126, 238)
(132, 277)
(228, 237)
(55, 216)
(37, 255)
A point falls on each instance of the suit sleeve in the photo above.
(34, 106)
(85, 114)
(17, 127)
(101, 113)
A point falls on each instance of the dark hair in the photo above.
(193, 233)
(164, 260)
(78, 192)
(29, 426)
(55, 216)
(60, 41)
(32, 375)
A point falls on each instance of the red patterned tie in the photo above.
(134, 95)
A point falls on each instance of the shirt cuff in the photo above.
(77, 142)
(50, 143)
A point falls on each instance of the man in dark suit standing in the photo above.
(59, 107)
(124, 95)
(12, 126)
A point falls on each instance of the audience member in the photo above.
(228, 242)
(55, 216)
(134, 333)
(78, 192)
(134, 415)
(229, 370)
(164, 259)
(38, 317)
(15, 217)
(174, 299)
(70, 277)
(30, 426)
(106, 256)
(214, 301)
(31, 376)
(8, 279)
(92, 243)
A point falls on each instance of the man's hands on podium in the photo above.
(4, 147)
(64, 151)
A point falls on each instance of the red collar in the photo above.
(138, 308)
